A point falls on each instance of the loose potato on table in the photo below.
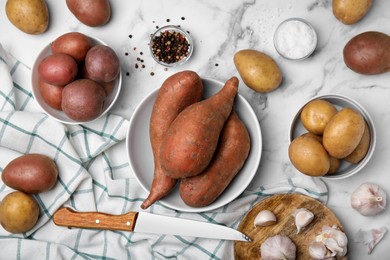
(31, 173)
(29, 16)
(343, 133)
(258, 70)
(19, 212)
(350, 11)
(90, 12)
(368, 53)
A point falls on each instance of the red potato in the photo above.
(108, 86)
(52, 94)
(230, 156)
(368, 53)
(74, 44)
(90, 12)
(58, 69)
(102, 63)
(176, 93)
(31, 173)
(192, 138)
(83, 100)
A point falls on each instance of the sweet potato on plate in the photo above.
(232, 151)
(175, 94)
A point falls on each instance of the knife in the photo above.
(144, 222)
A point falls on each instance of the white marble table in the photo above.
(219, 29)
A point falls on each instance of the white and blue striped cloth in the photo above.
(94, 175)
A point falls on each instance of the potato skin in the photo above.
(361, 150)
(74, 44)
(52, 94)
(83, 100)
(343, 133)
(230, 156)
(191, 140)
(258, 70)
(58, 69)
(368, 53)
(31, 173)
(350, 11)
(309, 156)
(90, 12)
(29, 16)
(19, 212)
(102, 63)
(316, 114)
(175, 94)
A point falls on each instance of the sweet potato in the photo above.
(192, 138)
(230, 156)
(176, 93)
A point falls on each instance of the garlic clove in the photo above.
(370, 237)
(318, 251)
(265, 218)
(368, 199)
(303, 217)
(278, 247)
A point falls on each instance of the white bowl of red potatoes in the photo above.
(332, 136)
(76, 78)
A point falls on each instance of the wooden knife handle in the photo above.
(96, 220)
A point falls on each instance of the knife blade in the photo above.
(143, 222)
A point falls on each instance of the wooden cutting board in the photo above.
(282, 206)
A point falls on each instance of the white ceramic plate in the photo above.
(140, 154)
(60, 115)
(339, 101)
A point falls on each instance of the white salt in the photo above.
(295, 39)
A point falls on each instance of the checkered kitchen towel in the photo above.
(94, 175)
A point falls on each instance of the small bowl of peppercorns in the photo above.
(171, 46)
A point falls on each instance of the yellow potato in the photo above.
(316, 114)
(361, 150)
(343, 133)
(309, 156)
(29, 16)
(350, 11)
(19, 212)
(334, 165)
(258, 70)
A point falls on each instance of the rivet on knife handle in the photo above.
(97, 220)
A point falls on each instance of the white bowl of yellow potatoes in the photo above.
(331, 136)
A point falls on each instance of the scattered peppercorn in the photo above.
(136, 66)
(151, 73)
(126, 53)
(183, 18)
(127, 74)
(170, 47)
(130, 36)
(141, 53)
(216, 64)
(168, 20)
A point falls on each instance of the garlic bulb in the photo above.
(278, 247)
(303, 217)
(334, 240)
(265, 218)
(368, 199)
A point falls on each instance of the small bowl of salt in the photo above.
(295, 39)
